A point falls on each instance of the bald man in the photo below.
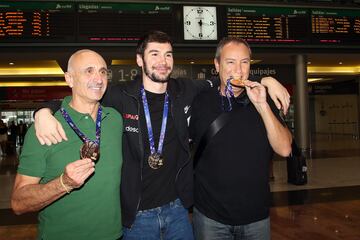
(75, 201)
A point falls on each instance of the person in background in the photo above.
(3, 137)
(22, 128)
(13, 135)
(74, 200)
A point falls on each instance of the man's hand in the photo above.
(48, 129)
(256, 92)
(29, 195)
(278, 93)
(77, 172)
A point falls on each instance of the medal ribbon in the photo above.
(228, 94)
(77, 130)
(148, 123)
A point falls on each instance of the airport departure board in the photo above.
(122, 22)
(267, 25)
(40, 21)
(335, 26)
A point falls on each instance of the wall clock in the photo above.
(200, 23)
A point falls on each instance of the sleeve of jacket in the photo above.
(202, 85)
(54, 106)
(112, 96)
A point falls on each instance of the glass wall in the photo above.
(26, 116)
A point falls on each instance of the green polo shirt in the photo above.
(89, 212)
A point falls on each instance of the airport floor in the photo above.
(328, 207)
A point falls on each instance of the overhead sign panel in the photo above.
(335, 26)
(91, 22)
(37, 22)
(268, 24)
(122, 22)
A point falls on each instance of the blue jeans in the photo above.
(170, 221)
(208, 229)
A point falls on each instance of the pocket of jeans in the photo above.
(178, 204)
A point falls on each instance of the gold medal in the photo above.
(155, 161)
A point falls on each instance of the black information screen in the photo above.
(122, 22)
(69, 22)
(268, 24)
(37, 21)
(335, 26)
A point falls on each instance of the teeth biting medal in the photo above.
(236, 81)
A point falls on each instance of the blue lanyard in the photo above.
(77, 130)
(228, 94)
(148, 122)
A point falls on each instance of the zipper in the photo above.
(141, 148)
(142, 155)
(181, 142)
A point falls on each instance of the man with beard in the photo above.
(157, 173)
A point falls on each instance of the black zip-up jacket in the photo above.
(125, 97)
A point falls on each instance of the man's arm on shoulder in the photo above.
(277, 92)
(279, 136)
(202, 85)
(48, 129)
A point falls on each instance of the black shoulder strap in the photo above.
(211, 131)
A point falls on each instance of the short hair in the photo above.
(227, 40)
(152, 36)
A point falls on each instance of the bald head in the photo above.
(79, 55)
(87, 76)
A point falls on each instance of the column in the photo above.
(357, 130)
(302, 134)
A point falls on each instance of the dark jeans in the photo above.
(207, 229)
(170, 221)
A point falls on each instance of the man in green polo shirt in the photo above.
(78, 197)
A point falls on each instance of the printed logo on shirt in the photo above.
(131, 116)
(186, 109)
(131, 129)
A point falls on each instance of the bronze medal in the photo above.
(155, 161)
(90, 150)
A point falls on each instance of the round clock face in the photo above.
(200, 23)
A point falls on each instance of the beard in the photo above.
(154, 77)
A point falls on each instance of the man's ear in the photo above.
(139, 60)
(217, 65)
(69, 79)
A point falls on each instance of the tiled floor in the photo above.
(328, 207)
(322, 173)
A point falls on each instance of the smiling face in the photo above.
(233, 62)
(157, 61)
(87, 76)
